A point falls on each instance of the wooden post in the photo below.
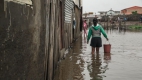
(52, 40)
(47, 12)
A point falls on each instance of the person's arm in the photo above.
(104, 33)
(89, 35)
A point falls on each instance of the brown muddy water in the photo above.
(123, 63)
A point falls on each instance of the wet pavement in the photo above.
(123, 63)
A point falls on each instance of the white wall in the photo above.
(81, 2)
(77, 2)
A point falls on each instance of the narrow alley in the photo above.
(44, 39)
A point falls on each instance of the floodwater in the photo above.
(123, 63)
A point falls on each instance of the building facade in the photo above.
(110, 12)
(129, 10)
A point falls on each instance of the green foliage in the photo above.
(135, 27)
(134, 12)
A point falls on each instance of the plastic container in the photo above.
(107, 48)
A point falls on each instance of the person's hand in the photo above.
(107, 39)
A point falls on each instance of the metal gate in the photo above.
(68, 11)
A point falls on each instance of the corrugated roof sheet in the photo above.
(22, 1)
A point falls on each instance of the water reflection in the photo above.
(124, 64)
(85, 39)
(107, 57)
(119, 30)
(94, 67)
(122, 30)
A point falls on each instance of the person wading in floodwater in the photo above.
(95, 31)
(141, 18)
(85, 28)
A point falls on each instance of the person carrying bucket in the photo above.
(95, 31)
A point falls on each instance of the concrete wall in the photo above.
(77, 17)
(22, 41)
(130, 10)
(139, 10)
(79, 3)
(29, 38)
